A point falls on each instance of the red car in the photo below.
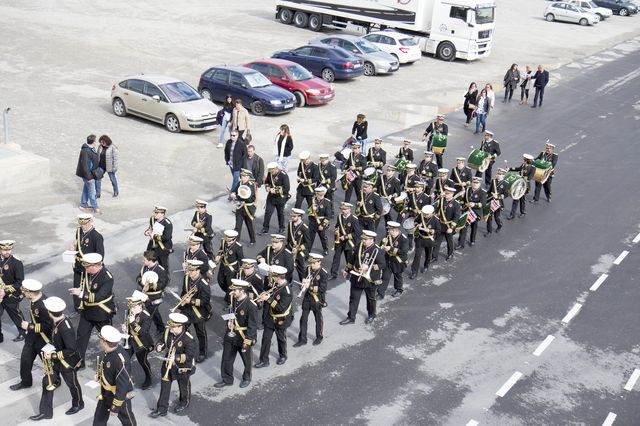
(296, 79)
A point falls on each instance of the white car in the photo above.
(602, 12)
(402, 46)
(562, 11)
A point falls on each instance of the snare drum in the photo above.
(479, 160)
(386, 206)
(438, 143)
(409, 224)
(515, 184)
(543, 170)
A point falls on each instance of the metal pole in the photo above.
(5, 117)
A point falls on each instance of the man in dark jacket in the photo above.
(255, 163)
(87, 165)
(235, 152)
(541, 78)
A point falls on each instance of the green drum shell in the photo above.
(478, 160)
(515, 184)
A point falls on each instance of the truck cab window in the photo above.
(458, 13)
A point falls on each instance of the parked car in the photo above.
(255, 90)
(562, 11)
(621, 7)
(165, 100)
(296, 79)
(328, 62)
(602, 12)
(375, 60)
(403, 47)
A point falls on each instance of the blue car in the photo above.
(254, 89)
(328, 62)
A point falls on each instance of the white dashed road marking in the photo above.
(599, 282)
(632, 380)
(544, 345)
(509, 384)
(472, 423)
(609, 420)
(620, 258)
(637, 238)
(572, 313)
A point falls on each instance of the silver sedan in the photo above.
(375, 60)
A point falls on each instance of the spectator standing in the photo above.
(470, 102)
(525, 86)
(225, 118)
(482, 110)
(283, 147)
(240, 120)
(541, 78)
(108, 153)
(359, 131)
(511, 80)
(235, 152)
(491, 96)
(255, 164)
(87, 164)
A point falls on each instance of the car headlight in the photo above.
(313, 91)
(331, 87)
(275, 102)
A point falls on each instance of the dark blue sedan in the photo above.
(254, 89)
(328, 62)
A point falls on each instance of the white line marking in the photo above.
(599, 282)
(620, 258)
(572, 313)
(472, 423)
(609, 420)
(632, 380)
(544, 345)
(637, 238)
(509, 383)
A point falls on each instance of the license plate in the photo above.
(288, 106)
(357, 66)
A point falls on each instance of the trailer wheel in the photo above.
(286, 16)
(300, 19)
(315, 22)
(446, 51)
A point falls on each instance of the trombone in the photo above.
(189, 294)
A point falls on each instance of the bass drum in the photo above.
(515, 184)
(401, 165)
(386, 206)
(409, 224)
(439, 143)
(479, 160)
(543, 170)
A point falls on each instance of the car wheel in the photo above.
(206, 94)
(446, 51)
(286, 16)
(549, 17)
(623, 12)
(300, 99)
(257, 108)
(315, 22)
(118, 107)
(396, 56)
(300, 19)
(584, 22)
(601, 17)
(369, 69)
(171, 123)
(328, 75)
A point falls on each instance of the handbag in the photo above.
(97, 173)
(474, 114)
(471, 106)
(247, 136)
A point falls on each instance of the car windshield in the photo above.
(366, 46)
(298, 73)
(485, 15)
(408, 42)
(180, 92)
(255, 79)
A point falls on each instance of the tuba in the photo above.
(244, 192)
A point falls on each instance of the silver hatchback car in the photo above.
(375, 60)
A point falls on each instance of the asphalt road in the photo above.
(439, 354)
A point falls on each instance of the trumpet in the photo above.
(170, 361)
(47, 366)
(306, 282)
(188, 295)
(231, 322)
(125, 328)
(365, 268)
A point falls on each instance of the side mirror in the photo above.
(243, 85)
(294, 53)
(156, 98)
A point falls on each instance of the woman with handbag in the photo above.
(108, 162)
(511, 80)
(283, 147)
(483, 104)
(225, 119)
(525, 86)
(470, 102)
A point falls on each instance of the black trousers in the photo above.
(398, 280)
(242, 216)
(547, 189)
(300, 197)
(508, 92)
(142, 356)
(487, 174)
(449, 238)
(231, 346)
(539, 93)
(154, 311)
(206, 246)
(71, 379)
(354, 299)
(329, 196)
(224, 278)
(301, 266)
(267, 335)
(163, 259)
(497, 216)
(439, 160)
(339, 249)
(30, 351)
(12, 306)
(102, 414)
(304, 320)
(423, 246)
(522, 202)
(524, 93)
(184, 385)
(474, 230)
(200, 328)
(357, 185)
(313, 227)
(84, 333)
(276, 204)
(367, 223)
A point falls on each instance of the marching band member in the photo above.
(202, 224)
(356, 163)
(497, 191)
(475, 198)
(491, 147)
(551, 157)
(417, 199)
(377, 157)
(178, 364)
(152, 280)
(409, 177)
(526, 170)
(298, 240)
(405, 153)
(11, 274)
(88, 240)
(461, 177)
(314, 287)
(96, 300)
(396, 247)
(307, 176)
(427, 171)
(365, 274)
(114, 377)
(319, 214)
(228, 257)
(37, 331)
(437, 126)
(441, 182)
(278, 317)
(245, 205)
(448, 211)
(328, 174)
(277, 186)
(249, 274)
(240, 335)
(389, 187)
(60, 359)
(194, 251)
(196, 304)
(137, 324)
(277, 254)
(160, 238)
(369, 207)
(426, 231)
(347, 234)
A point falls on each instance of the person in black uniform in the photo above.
(240, 336)
(389, 188)
(96, 300)
(440, 183)
(228, 259)
(356, 163)
(377, 157)
(88, 240)
(152, 281)
(425, 233)
(319, 214)
(245, 201)
(11, 276)
(461, 177)
(38, 330)
(307, 177)
(202, 226)
(278, 318)
(526, 170)
(277, 254)
(369, 207)
(497, 191)
(160, 232)
(194, 251)
(396, 247)
(475, 199)
(196, 304)
(405, 153)
(179, 364)
(314, 287)
(409, 177)
(327, 175)
(417, 199)
(437, 126)
(62, 358)
(551, 157)
(491, 147)
(298, 240)
(249, 273)
(427, 171)
(137, 324)
(277, 187)
(367, 267)
(448, 211)
(347, 234)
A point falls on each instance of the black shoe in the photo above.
(146, 385)
(424, 268)
(448, 257)
(155, 414)
(522, 215)
(326, 252)
(510, 217)
(281, 231)
(533, 106)
(115, 194)
(369, 319)
(19, 338)
(18, 386)
(488, 234)
(317, 341)
(471, 243)
(459, 247)
(200, 358)
(252, 243)
(264, 231)
(434, 259)
(548, 199)
(412, 276)
(222, 384)
(82, 366)
(98, 196)
(244, 383)
(397, 293)
(299, 343)
(533, 201)
(347, 321)
(262, 364)
(74, 409)
(180, 408)
(475, 133)
(333, 277)
(498, 229)
(38, 417)
(281, 360)
(379, 296)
